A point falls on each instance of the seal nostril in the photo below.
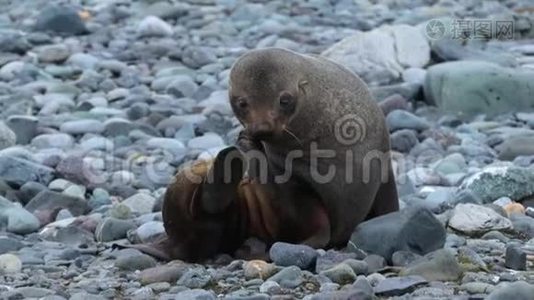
(262, 134)
(261, 130)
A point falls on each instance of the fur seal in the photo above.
(311, 163)
(319, 128)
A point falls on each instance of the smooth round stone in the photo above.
(474, 219)
(64, 214)
(414, 75)
(196, 57)
(289, 277)
(62, 19)
(97, 101)
(123, 177)
(359, 267)
(19, 171)
(100, 197)
(159, 287)
(340, 274)
(477, 288)
(503, 201)
(195, 279)
(75, 191)
(517, 290)
(24, 127)
(152, 26)
(375, 262)
(396, 286)
(150, 231)
(403, 140)
(258, 269)
(495, 235)
(107, 112)
(438, 197)
(19, 220)
(63, 72)
(270, 287)
(165, 143)
(59, 185)
(163, 273)
(401, 119)
(8, 138)
(97, 143)
(403, 258)
(141, 203)
(329, 287)
(182, 87)
(143, 293)
(453, 163)
(111, 229)
(53, 53)
(285, 254)
(137, 111)
(83, 60)
(78, 169)
(205, 142)
(455, 241)
(185, 133)
(196, 294)
(117, 94)
(10, 264)
(375, 278)
(53, 140)
(9, 244)
(515, 258)
(120, 211)
(135, 262)
(117, 126)
(82, 127)
(439, 265)
(33, 292)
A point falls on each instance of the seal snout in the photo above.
(261, 130)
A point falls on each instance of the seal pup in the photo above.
(318, 127)
(211, 207)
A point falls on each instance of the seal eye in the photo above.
(241, 103)
(286, 101)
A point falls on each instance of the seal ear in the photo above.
(219, 189)
(302, 86)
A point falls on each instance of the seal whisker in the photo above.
(293, 135)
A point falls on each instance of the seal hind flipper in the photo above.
(219, 189)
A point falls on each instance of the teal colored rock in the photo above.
(468, 88)
(495, 182)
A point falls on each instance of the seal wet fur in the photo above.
(289, 102)
(294, 108)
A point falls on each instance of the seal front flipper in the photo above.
(386, 199)
(159, 249)
(321, 238)
(219, 188)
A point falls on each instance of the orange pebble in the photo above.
(258, 269)
(514, 208)
(84, 15)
